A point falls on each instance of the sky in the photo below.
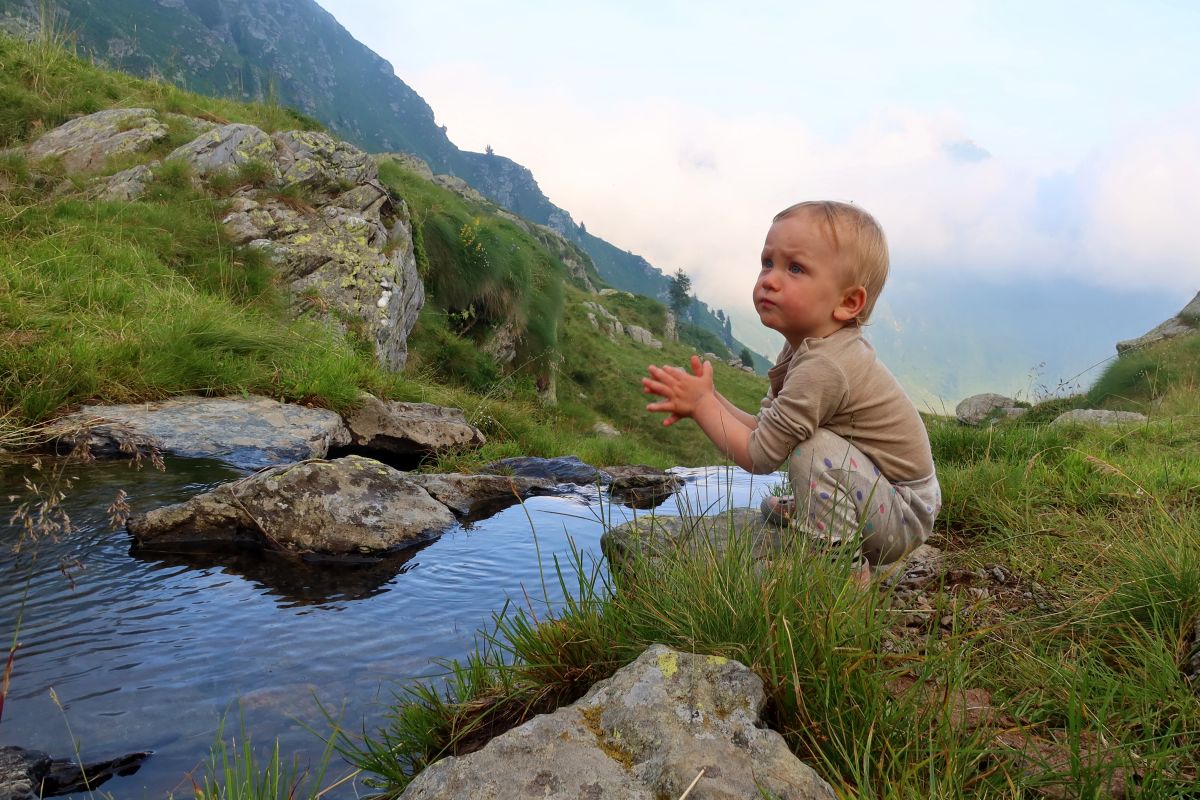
(999, 144)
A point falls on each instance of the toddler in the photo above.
(857, 451)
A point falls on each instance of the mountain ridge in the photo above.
(297, 53)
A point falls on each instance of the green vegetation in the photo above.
(121, 302)
(1081, 663)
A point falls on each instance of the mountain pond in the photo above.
(122, 652)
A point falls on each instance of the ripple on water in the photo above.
(151, 652)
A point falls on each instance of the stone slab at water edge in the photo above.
(248, 432)
(648, 732)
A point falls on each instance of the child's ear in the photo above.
(854, 300)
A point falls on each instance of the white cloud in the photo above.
(688, 187)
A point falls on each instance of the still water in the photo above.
(151, 652)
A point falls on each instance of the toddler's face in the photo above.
(801, 287)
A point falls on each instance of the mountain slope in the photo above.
(296, 53)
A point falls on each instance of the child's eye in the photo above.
(795, 268)
(766, 264)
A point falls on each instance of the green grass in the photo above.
(42, 85)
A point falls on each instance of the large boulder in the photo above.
(350, 506)
(642, 336)
(1185, 323)
(248, 432)
(665, 722)
(411, 429)
(982, 408)
(87, 143)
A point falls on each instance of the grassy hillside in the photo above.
(120, 302)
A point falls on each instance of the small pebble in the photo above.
(947, 621)
(999, 575)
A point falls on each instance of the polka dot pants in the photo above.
(843, 500)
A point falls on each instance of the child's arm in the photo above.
(695, 396)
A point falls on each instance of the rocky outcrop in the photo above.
(987, 408)
(86, 144)
(410, 429)
(351, 506)
(247, 432)
(604, 320)
(667, 723)
(343, 245)
(1185, 323)
(1093, 416)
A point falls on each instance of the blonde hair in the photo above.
(858, 238)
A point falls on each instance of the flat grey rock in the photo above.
(1093, 416)
(411, 429)
(85, 144)
(247, 432)
(477, 496)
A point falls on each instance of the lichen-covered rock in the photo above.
(409, 429)
(341, 261)
(980, 408)
(647, 732)
(87, 143)
(126, 185)
(1185, 323)
(603, 319)
(321, 163)
(1093, 416)
(226, 148)
(248, 432)
(350, 506)
(477, 496)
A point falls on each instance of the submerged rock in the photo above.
(249, 432)
(477, 496)
(563, 469)
(350, 506)
(647, 732)
(640, 486)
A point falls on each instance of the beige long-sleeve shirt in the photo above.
(838, 383)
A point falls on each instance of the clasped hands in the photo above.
(681, 393)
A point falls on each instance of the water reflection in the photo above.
(150, 651)
(295, 579)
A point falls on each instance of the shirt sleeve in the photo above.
(814, 389)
